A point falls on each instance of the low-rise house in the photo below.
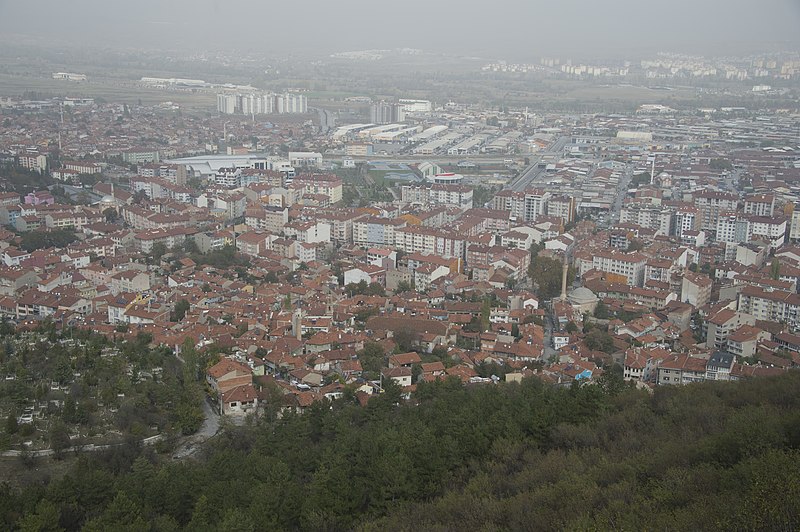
(228, 374)
(133, 281)
(404, 360)
(743, 341)
(400, 375)
(719, 366)
(682, 369)
(239, 400)
(14, 280)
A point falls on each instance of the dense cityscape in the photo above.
(429, 279)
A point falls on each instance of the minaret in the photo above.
(564, 270)
(297, 324)
(653, 171)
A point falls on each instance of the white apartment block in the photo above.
(418, 239)
(228, 177)
(438, 194)
(711, 204)
(744, 228)
(376, 232)
(33, 161)
(769, 228)
(562, 207)
(524, 206)
(535, 203)
(226, 103)
(794, 232)
(776, 306)
(325, 184)
(255, 103)
(731, 228)
(760, 204)
(648, 216)
(685, 219)
(508, 200)
(629, 265)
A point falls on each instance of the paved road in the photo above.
(533, 171)
(209, 429)
(622, 190)
(88, 448)
(548, 337)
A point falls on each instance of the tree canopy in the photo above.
(56, 238)
(473, 458)
(546, 273)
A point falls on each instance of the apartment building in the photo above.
(328, 184)
(509, 200)
(526, 206)
(34, 161)
(372, 231)
(536, 203)
(681, 369)
(173, 173)
(649, 216)
(711, 204)
(630, 266)
(685, 219)
(562, 207)
(743, 341)
(267, 218)
(696, 289)
(760, 204)
(417, 239)
(157, 188)
(722, 324)
(794, 232)
(83, 167)
(438, 194)
(777, 305)
(228, 177)
(305, 159)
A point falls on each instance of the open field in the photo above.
(111, 90)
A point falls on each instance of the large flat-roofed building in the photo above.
(305, 159)
(69, 76)
(415, 106)
(206, 166)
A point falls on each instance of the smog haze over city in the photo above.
(352, 265)
(506, 27)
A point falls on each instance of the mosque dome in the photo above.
(581, 296)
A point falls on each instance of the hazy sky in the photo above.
(497, 28)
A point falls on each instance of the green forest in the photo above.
(527, 456)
